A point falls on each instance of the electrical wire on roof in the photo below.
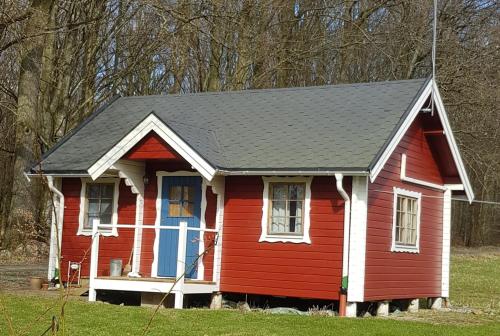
(441, 197)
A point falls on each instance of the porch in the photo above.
(175, 243)
(178, 285)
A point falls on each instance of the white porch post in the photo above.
(181, 265)
(139, 216)
(94, 257)
(218, 187)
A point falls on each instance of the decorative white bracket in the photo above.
(133, 174)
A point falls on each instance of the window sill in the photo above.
(112, 233)
(285, 239)
(405, 249)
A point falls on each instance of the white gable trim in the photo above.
(447, 131)
(152, 123)
(453, 145)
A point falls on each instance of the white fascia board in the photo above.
(426, 93)
(452, 143)
(152, 123)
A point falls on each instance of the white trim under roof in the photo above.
(426, 93)
(152, 123)
(291, 172)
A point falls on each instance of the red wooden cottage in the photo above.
(339, 193)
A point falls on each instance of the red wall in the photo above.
(393, 275)
(74, 247)
(281, 269)
(152, 146)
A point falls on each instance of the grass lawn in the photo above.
(475, 283)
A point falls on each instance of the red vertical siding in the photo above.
(397, 275)
(74, 247)
(148, 235)
(281, 269)
(152, 146)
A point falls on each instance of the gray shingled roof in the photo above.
(335, 127)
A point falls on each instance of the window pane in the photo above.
(107, 190)
(105, 219)
(279, 191)
(278, 225)
(93, 207)
(188, 194)
(93, 190)
(187, 209)
(298, 225)
(295, 208)
(174, 209)
(174, 194)
(106, 206)
(278, 208)
(296, 192)
(90, 220)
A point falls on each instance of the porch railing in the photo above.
(181, 253)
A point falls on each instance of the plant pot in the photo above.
(36, 283)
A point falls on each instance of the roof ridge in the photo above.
(287, 89)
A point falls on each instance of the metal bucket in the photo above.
(115, 267)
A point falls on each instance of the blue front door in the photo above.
(180, 202)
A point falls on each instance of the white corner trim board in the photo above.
(357, 244)
(414, 180)
(152, 123)
(83, 204)
(426, 93)
(284, 238)
(413, 194)
(445, 257)
(55, 185)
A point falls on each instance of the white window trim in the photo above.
(83, 199)
(400, 248)
(273, 238)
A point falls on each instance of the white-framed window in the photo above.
(286, 209)
(99, 200)
(406, 221)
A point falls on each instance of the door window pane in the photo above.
(174, 209)
(181, 201)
